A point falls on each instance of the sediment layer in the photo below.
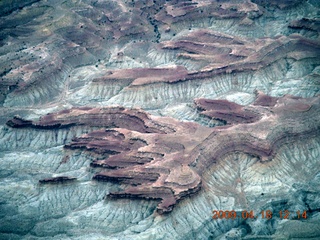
(162, 158)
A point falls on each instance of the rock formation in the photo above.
(54, 180)
(136, 119)
(160, 158)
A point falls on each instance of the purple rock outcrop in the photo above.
(162, 158)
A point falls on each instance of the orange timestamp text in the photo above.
(267, 214)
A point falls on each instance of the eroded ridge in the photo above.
(132, 119)
(175, 11)
(223, 53)
(277, 121)
(162, 158)
(142, 76)
(226, 111)
(148, 36)
(216, 53)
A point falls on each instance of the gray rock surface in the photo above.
(55, 55)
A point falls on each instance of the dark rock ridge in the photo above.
(306, 23)
(228, 112)
(136, 120)
(162, 158)
(55, 180)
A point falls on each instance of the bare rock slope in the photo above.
(161, 158)
(136, 119)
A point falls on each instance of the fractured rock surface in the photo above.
(136, 119)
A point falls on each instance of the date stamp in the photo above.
(265, 214)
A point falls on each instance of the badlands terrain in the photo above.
(139, 119)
